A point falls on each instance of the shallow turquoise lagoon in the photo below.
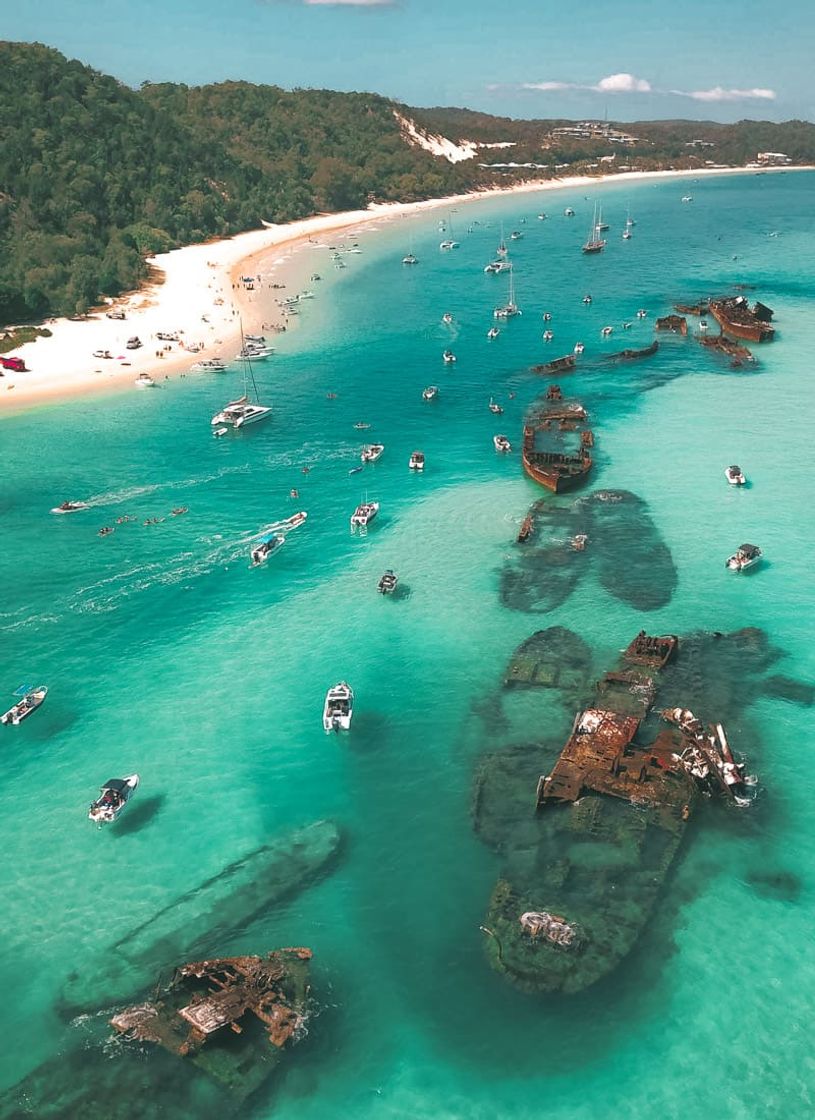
(166, 654)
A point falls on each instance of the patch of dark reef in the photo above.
(609, 532)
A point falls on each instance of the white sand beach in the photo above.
(198, 294)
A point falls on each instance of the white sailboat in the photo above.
(238, 413)
(594, 243)
(502, 250)
(510, 308)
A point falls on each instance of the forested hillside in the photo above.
(95, 176)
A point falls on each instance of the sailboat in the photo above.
(241, 412)
(594, 243)
(449, 242)
(601, 225)
(629, 221)
(510, 308)
(502, 250)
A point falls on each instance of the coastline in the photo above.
(201, 297)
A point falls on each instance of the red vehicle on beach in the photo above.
(16, 364)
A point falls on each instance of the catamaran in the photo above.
(363, 514)
(237, 414)
(30, 700)
(495, 267)
(338, 708)
(510, 308)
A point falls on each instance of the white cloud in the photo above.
(614, 83)
(628, 83)
(720, 94)
(623, 83)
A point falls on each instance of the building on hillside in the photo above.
(773, 159)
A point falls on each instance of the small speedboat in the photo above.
(501, 443)
(268, 543)
(494, 407)
(547, 316)
(541, 217)
(410, 259)
(70, 507)
(30, 700)
(687, 198)
(745, 556)
(430, 393)
(579, 348)
(448, 357)
(569, 212)
(364, 513)
(493, 332)
(144, 381)
(587, 300)
(387, 583)
(606, 331)
(548, 336)
(361, 426)
(447, 318)
(114, 795)
(220, 431)
(735, 476)
(210, 365)
(642, 313)
(626, 235)
(371, 452)
(416, 462)
(339, 707)
(516, 235)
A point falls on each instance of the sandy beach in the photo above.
(198, 294)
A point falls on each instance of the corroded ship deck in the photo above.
(735, 317)
(557, 443)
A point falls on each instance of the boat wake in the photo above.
(130, 493)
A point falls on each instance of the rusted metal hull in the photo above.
(558, 478)
(741, 323)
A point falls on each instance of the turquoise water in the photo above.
(166, 654)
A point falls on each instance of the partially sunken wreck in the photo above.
(557, 444)
(735, 317)
(610, 818)
(217, 1014)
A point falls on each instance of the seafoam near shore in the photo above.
(197, 293)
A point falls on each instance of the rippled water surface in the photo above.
(166, 654)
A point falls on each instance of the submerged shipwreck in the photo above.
(735, 317)
(197, 921)
(557, 443)
(228, 1016)
(587, 856)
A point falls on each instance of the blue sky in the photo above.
(639, 59)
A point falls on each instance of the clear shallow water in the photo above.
(166, 654)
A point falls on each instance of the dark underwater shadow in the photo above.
(140, 816)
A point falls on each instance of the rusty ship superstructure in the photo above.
(557, 444)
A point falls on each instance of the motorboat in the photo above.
(587, 300)
(251, 350)
(210, 365)
(501, 443)
(30, 700)
(133, 343)
(606, 331)
(448, 357)
(703, 325)
(371, 452)
(642, 313)
(268, 543)
(114, 795)
(70, 507)
(579, 348)
(569, 212)
(416, 462)
(115, 315)
(310, 295)
(361, 426)
(498, 266)
(547, 316)
(735, 476)
(144, 381)
(516, 235)
(102, 354)
(494, 407)
(239, 413)
(548, 336)
(410, 259)
(447, 318)
(220, 432)
(541, 217)
(687, 198)
(339, 707)
(168, 336)
(745, 556)
(430, 393)
(493, 332)
(387, 583)
(256, 339)
(364, 514)
(626, 235)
